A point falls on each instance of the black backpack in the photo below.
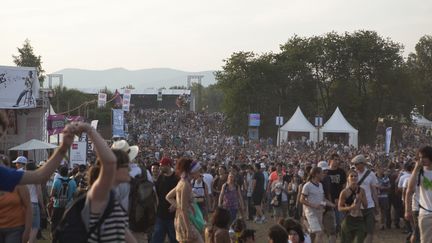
(62, 194)
(72, 229)
(142, 203)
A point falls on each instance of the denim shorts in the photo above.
(11, 234)
(36, 216)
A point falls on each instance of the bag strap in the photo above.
(106, 213)
(364, 177)
(419, 176)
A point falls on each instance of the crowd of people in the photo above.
(186, 179)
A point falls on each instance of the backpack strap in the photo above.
(363, 177)
(420, 174)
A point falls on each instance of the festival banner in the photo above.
(55, 124)
(102, 98)
(118, 123)
(126, 99)
(19, 87)
(388, 140)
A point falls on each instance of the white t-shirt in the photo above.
(404, 177)
(314, 194)
(208, 179)
(33, 193)
(425, 192)
(370, 180)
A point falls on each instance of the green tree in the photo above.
(27, 58)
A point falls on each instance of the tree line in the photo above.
(362, 72)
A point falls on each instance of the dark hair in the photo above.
(334, 156)
(238, 225)
(183, 165)
(63, 171)
(426, 151)
(278, 234)
(292, 224)
(221, 218)
(247, 233)
(314, 171)
(31, 166)
(122, 157)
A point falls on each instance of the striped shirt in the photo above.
(114, 227)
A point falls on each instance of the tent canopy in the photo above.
(420, 120)
(298, 123)
(33, 144)
(338, 124)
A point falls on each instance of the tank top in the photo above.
(114, 227)
(230, 200)
(198, 189)
(12, 210)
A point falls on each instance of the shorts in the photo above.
(281, 211)
(36, 216)
(369, 219)
(257, 198)
(329, 222)
(314, 220)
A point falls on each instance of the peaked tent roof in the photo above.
(337, 123)
(298, 123)
(420, 120)
(34, 144)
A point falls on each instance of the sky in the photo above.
(190, 35)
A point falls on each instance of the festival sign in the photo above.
(55, 124)
(19, 87)
(254, 120)
(126, 99)
(118, 123)
(102, 98)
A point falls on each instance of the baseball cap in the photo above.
(323, 165)
(165, 161)
(263, 166)
(21, 160)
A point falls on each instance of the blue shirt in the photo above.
(56, 188)
(9, 178)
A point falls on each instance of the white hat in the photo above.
(323, 165)
(132, 151)
(263, 166)
(21, 160)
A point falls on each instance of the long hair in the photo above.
(183, 165)
(315, 171)
(122, 159)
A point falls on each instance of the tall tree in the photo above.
(27, 58)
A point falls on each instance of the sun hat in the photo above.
(132, 151)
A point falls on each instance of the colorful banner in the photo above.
(55, 124)
(118, 123)
(19, 87)
(102, 98)
(388, 140)
(117, 99)
(126, 99)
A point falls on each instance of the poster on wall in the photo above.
(12, 128)
(19, 87)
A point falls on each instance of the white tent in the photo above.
(298, 123)
(338, 124)
(420, 120)
(33, 144)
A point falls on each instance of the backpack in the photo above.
(72, 228)
(62, 195)
(142, 203)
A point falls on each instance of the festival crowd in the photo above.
(179, 175)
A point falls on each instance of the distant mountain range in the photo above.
(116, 78)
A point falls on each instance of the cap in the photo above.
(323, 165)
(165, 161)
(263, 166)
(359, 159)
(21, 160)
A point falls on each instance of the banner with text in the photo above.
(118, 123)
(102, 98)
(55, 124)
(78, 153)
(126, 99)
(388, 140)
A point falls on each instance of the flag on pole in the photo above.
(388, 140)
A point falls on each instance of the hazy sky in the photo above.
(190, 35)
